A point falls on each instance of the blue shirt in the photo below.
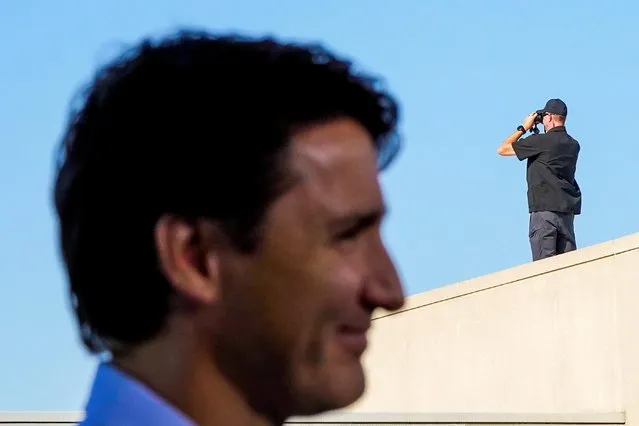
(119, 400)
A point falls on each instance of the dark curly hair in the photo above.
(195, 125)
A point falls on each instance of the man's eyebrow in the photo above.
(363, 219)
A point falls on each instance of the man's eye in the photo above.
(349, 234)
(354, 229)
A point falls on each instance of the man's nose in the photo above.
(384, 289)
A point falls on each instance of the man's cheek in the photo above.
(345, 279)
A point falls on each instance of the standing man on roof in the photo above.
(554, 197)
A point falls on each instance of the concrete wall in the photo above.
(550, 342)
(555, 336)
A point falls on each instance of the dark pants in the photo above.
(551, 234)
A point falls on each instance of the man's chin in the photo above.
(344, 387)
(349, 392)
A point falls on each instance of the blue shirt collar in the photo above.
(118, 399)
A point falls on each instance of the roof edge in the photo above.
(518, 273)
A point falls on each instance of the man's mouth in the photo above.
(353, 338)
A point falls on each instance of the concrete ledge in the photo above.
(41, 417)
(518, 273)
(615, 418)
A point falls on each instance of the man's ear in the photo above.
(189, 265)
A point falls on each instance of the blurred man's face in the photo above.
(293, 317)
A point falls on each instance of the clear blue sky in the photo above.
(466, 73)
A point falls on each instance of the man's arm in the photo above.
(506, 147)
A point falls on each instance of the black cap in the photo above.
(555, 106)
